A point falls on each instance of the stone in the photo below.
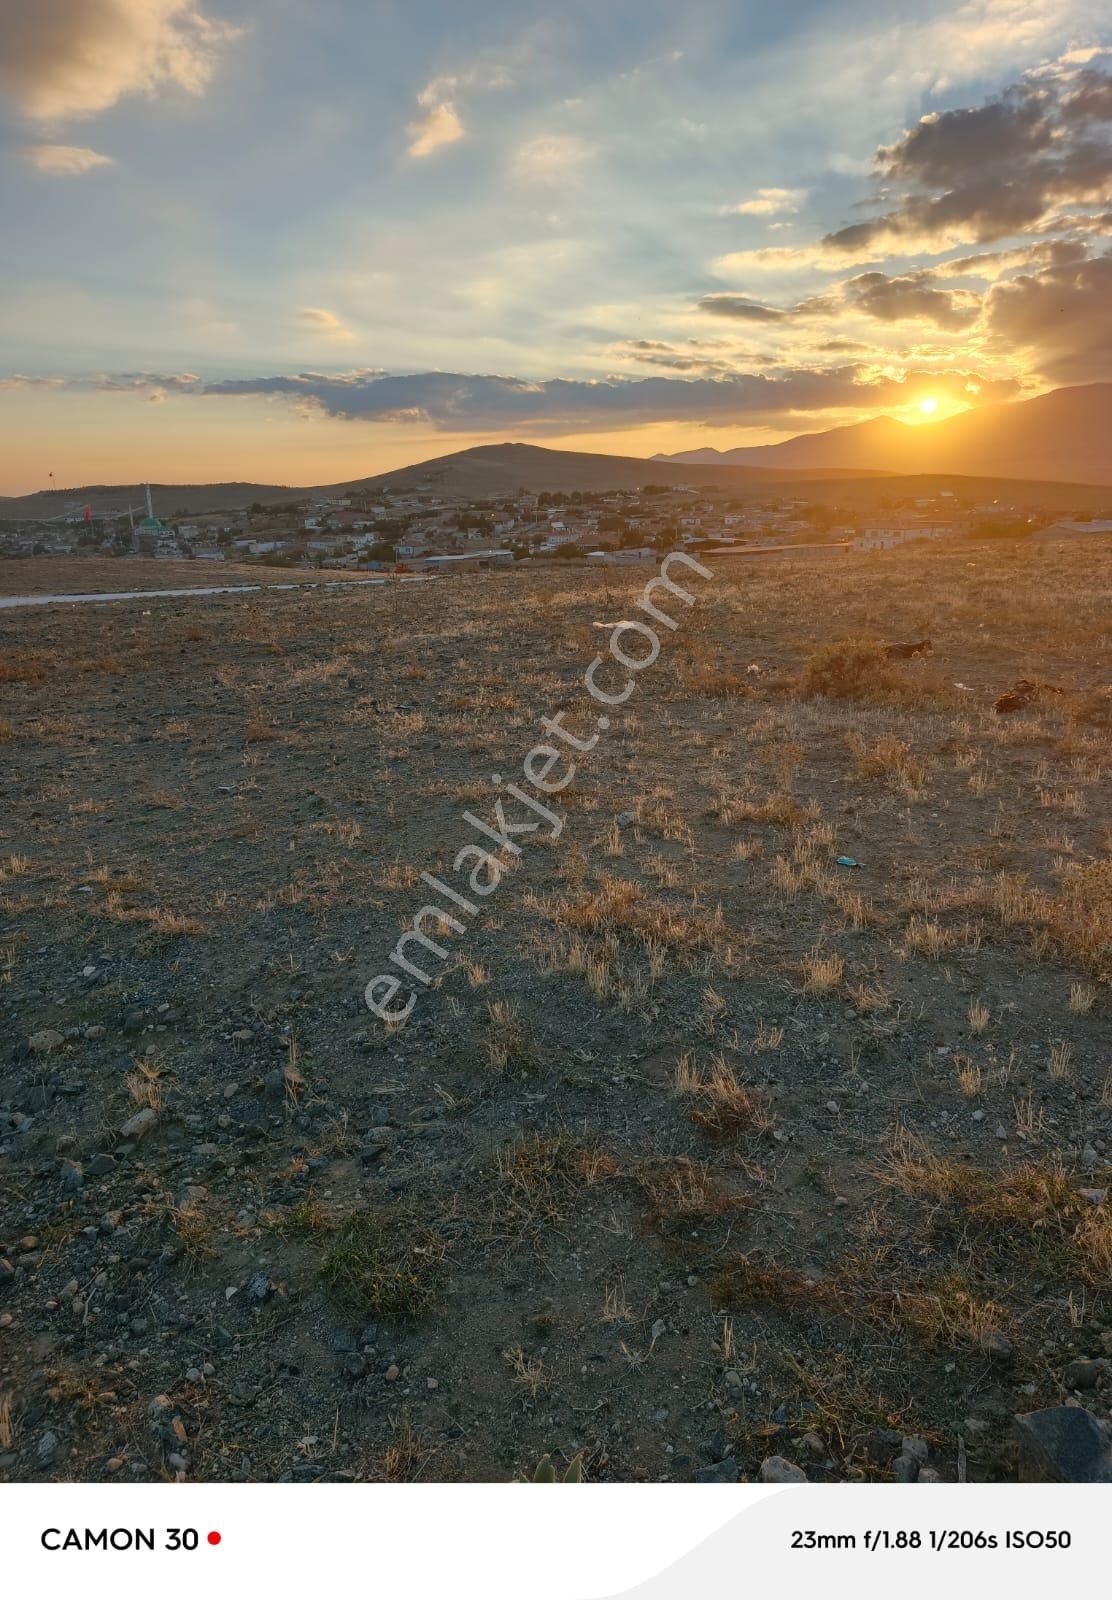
(46, 1451)
(138, 1126)
(812, 1444)
(72, 1177)
(774, 1469)
(995, 1345)
(45, 1041)
(1082, 1374)
(718, 1472)
(1063, 1444)
(134, 1022)
(905, 1469)
(101, 1165)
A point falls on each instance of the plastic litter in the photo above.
(847, 861)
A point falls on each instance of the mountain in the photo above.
(1064, 436)
(500, 469)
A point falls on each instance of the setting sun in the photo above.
(928, 406)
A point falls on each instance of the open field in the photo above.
(702, 1148)
(106, 575)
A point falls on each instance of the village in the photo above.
(424, 531)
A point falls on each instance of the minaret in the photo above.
(150, 508)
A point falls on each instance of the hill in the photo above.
(495, 469)
(1062, 436)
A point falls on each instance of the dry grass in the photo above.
(724, 1108)
(822, 971)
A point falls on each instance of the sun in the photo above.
(928, 406)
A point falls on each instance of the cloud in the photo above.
(978, 174)
(549, 158)
(73, 58)
(325, 323)
(439, 123)
(1061, 318)
(911, 297)
(770, 202)
(461, 402)
(739, 308)
(64, 160)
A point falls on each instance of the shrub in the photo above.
(848, 669)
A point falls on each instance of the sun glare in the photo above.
(928, 406)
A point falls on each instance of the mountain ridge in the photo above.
(1062, 436)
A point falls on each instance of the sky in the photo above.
(299, 241)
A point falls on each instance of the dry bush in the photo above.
(849, 669)
(890, 760)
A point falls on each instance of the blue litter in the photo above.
(848, 861)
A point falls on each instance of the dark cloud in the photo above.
(986, 172)
(912, 297)
(1090, 98)
(465, 402)
(1061, 318)
(739, 308)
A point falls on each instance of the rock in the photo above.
(1083, 1374)
(813, 1445)
(929, 1475)
(734, 1382)
(774, 1469)
(905, 1469)
(995, 1345)
(274, 1084)
(138, 1126)
(719, 1472)
(393, 1373)
(72, 1177)
(1063, 1444)
(243, 1035)
(376, 1143)
(259, 1288)
(101, 1165)
(1095, 1197)
(46, 1451)
(94, 1031)
(134, 1022)
(45, 1041)
(914, 1448)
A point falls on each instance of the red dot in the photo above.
(214, 1538)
